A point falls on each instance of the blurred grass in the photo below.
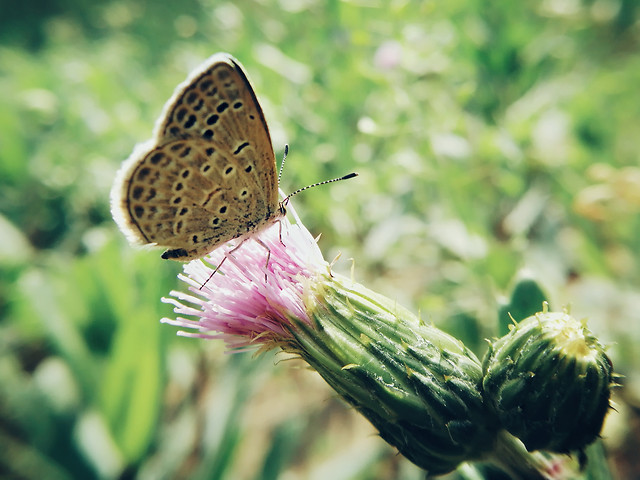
(492, 141)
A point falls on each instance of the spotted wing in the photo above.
(209, 175)
(218, 103)
(191, 196)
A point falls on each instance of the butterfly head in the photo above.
(282, 207)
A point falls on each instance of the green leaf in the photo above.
(526, 299)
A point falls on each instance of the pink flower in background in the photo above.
(388, 55)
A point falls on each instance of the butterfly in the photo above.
(208, 175)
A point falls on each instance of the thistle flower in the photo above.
(236, 304)
(417, 385)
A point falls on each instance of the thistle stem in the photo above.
(512, 456)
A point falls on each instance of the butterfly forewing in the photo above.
(210, 175)
(218, 103)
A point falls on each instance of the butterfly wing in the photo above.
(191, 195)
(209, 175)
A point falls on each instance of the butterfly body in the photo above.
(209, 173)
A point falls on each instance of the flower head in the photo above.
(235, 303)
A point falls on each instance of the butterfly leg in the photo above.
(280, 232)
(221, 262)
(266, 265)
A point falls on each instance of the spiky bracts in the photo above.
(549, 382)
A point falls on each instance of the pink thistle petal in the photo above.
(237, 304)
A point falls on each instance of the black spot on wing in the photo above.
(241, 147)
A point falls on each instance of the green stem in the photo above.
(512, 456)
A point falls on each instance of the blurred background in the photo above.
(494, 141)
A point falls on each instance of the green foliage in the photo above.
(527, 299)
(491, 140)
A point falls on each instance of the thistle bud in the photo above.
(549, 381)
(420, 387)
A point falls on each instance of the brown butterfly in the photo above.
(208, 175)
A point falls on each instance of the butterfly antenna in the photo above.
(346, 177)
(284, 157)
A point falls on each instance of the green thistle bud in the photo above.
(549, 382)
(420, 387)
